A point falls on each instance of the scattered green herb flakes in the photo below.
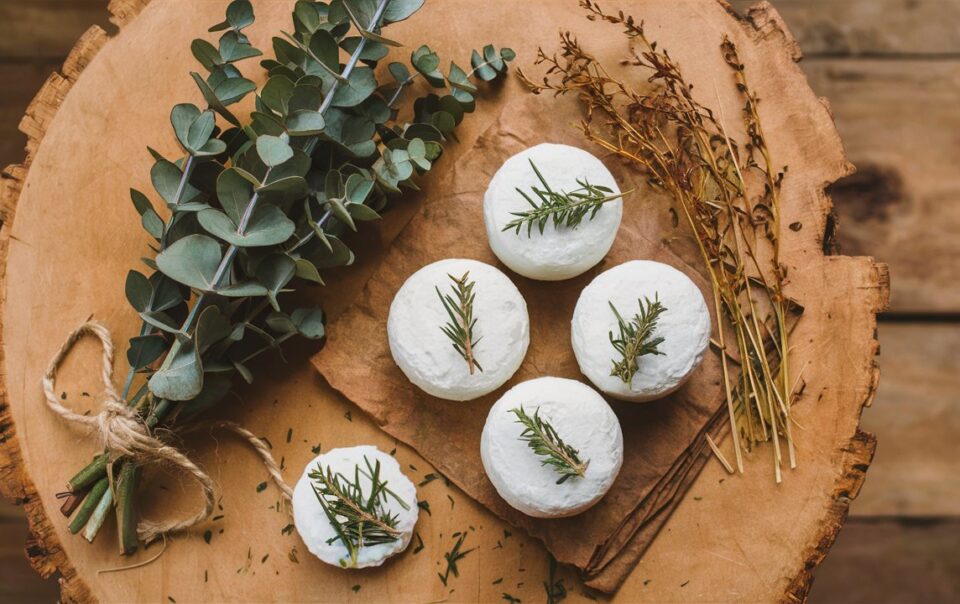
(511, 599)
(556, 590)
(316, 449)
(498, 581)
(264, 559)
(289, 434)
(425, 506)
(419, 546)
(292, 555)
(287, 529)
(261, 487)
(207, 535)
(452, 502)
(454, 556)
(356, 588)
(349, 416)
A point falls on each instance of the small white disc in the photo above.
(314, 527)
(582, 419)
(684, 327)
(560, 252)
(424, 352)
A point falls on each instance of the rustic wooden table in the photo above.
(890, 69)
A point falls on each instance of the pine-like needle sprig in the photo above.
(459, 308)
(563, 208)
(543, 439)
(360, 519)
(635, 338)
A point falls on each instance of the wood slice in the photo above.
(69, 237)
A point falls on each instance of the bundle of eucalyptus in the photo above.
(256, 208)
(684, 150)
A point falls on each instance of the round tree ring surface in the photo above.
(684, 326)
(581, 419)
(420, 323)
(559, 251)
(52, 240)
(315, 528)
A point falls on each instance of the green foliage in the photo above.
(543, 440)
(258, 207)
(559, 207)
(360, 517)
(635, 338)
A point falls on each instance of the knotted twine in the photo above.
(123, 434)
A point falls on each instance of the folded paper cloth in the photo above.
(664, 441)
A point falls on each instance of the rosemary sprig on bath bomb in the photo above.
(635, 339)
(359, 519)
(462, 321)
(563, 208)
(543, 439)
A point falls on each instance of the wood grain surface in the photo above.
(886, 67)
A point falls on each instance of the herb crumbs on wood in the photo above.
(207, 535)
(356, 588)
(420, 545)
(425, 506)
(454, 556)
(261, 487)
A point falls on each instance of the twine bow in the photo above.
(123, 434)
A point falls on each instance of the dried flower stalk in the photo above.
(684, 149)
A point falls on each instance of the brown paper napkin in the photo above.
(664, 445)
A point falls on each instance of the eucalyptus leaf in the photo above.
(139, 291)
(144, 350)
(372, 51)
(234, 192)
(360, 85)
(399, 72)
(213, 100)
(398, 10)
(232, 90)
(304, 123)
(212, 327)
(182, 117)
(276, 93)
(206, 54)
(274, 272)
(200, 131)
(307, 271)
(309, 322)
(273, 150)
(166, 179)
(192, 261)
(268, 226)
(181, 377)
(140, 201)
(232, 48)
(426, 62)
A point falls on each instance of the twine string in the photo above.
(122, 433)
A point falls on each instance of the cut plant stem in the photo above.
(90, 502)
(99, 515)
(96, 470)
(126, 487)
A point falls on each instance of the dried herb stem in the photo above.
(685, 149)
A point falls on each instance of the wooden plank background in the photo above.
(891, 69)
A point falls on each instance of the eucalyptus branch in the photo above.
(359, 518)
(563, 208)
(635, 338)
(227, 252)
(460, 327)
(543, 439)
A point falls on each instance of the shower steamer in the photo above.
(458, 329)
(538, 176)
(395, 510)
(552, 447)
(629, 296)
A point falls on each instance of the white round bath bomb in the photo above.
(684, 327)
(559, 252)
(582, 419)
(314, 526)
(424, 352)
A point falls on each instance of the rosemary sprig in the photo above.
(462, 321)
(636, 337)
(543, 439)
(358, 518)
(564, 208)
